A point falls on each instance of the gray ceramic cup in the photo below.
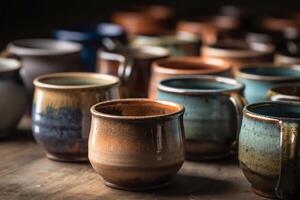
(269, 148)
(213, 112)
(43, 56)
(259, 78)
(13, 96)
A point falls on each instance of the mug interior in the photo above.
(272, 71)
(200, 84)
(276, 110)
(137, 108)
(75, 80)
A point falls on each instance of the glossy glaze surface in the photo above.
(136, 144)
(260, 144)
(61, 116)
(259, 78)
(43, 56)
(13, 96)
(171, 67)
(132, 66)
(213, 110)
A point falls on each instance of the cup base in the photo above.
(143, 188)
(67, 158)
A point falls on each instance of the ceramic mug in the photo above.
(239, 53)
(132, 66)
(213, 112)
(61, 116)
(269, 148)
(92, 37)
(208, 28)
(285, 92)
(43, 56)
(13, 96)
(137, 144)
(259, 78)
(185, 65)
(290, 56)
(180, 44)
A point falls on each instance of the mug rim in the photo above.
(239, 87)
(27, 47)
(274, 91)
(250, 114)
(38, 82)
(212, 51)
(241, 74)
(160, 66)
(180, 109)
(10, 65)
(110, 55)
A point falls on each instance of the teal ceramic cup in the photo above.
(213, 112)
(259, 78)
(269, 148)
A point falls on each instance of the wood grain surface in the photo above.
(25, 173)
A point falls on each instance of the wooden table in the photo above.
(25, 173)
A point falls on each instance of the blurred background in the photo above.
(38, 18)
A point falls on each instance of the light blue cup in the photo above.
(269, 146)
(213, 112)
(260, 78)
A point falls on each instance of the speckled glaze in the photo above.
(239, 53)
(60, 116)
(259, 78)
(13, 96)
(180, 44)
(213, 112)
(269, 148)
(137, 144)
(43, 56)
(285, 92)
(132, 66)
(185, 65)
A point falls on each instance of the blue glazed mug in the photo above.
(92, 37)
(259, 78)
(213, 112)
(269, 148)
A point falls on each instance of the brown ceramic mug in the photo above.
(239, 53)
(136, 144)
(170, 67)
(132, 66)
(208, 28)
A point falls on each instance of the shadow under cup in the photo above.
(268, 148)
(136, 144)
(213, 112)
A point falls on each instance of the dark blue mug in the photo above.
(92, 37)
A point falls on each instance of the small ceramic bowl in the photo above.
(13, 96)
(137, 144)
(185, 65)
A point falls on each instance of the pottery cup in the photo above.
(185, 65)
(43, 56)
(269, 148)
(132, 66)
(259, 78)
(213, 112)
(61, 116)
(137, 144)
(288, 56)
(13, 95)
(92, 37)
(180, 44)
(239, 53)
(285, 92)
